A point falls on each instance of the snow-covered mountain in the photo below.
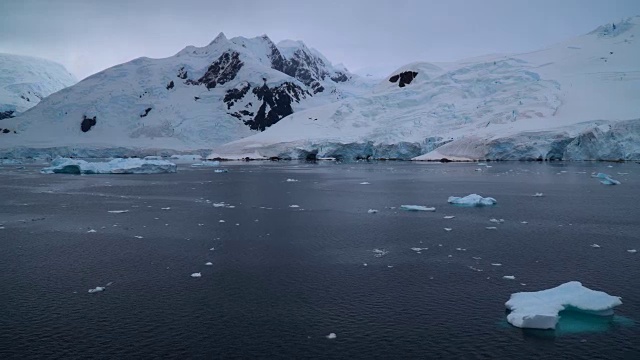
(575, 100)
(197, 99)
(25, 80)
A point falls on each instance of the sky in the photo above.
(367, 36)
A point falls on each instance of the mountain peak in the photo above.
(220, 38)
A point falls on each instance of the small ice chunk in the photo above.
(91, 231)
(138, 237)
(448, 229)
(538, 195)
(449, 217)
(332, 336)
(294, 206)
(208, 263)
(524, 222)
(221, 221)
(606, 179)
(196, 275)
(206, 163)
(416, 208)
(165, 208)
(379, 252)
(472, 200)
(491, 228)
(372, 211)
(118, 211)
(418, 249)
(97, 289)
(365, 183)
(461, 249)
(220, 204)
(497, 221)
(540, 309)
(509, 277)
(496, 264)
(220, 171)
(633, 251)
(596, 246)
(212, 249)
(292, 180)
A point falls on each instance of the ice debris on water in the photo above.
(449, 217)
(118, 211)
(196, 275)
(472, 200)
(497, 221)
(332, 336)
(509, 277)
(596, 246)
(206, 164)
(220, 171)
(294, 206)
(418, 249)
(209, 264)
(372, 211)
(416, 208)
(91, 231)
(496, 264)
(97, 289)
(379, 252)
(538, 195)
(292, 180)
(541, 309)
(632, 251)
(115, 166)
(165, 208)
(491, 228)
(448, 229)
(606, 179)
(365, 183)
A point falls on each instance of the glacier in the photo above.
(115, 166)
(26, 80)
(541, 309)
(575, 100)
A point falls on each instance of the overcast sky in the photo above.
(375, 35)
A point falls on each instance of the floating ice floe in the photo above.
(221, 171)
(606, 179)
(365, 183)
(117, 211)
(138, 237)
(115, 166)
(472, 200)
(292, 180)
(209, 264)
(524, 222)
(206, 164)
(294, 206)
(416, 208)
(188, 157)
(372, 211)
(497, 221)
(538, 195)
(332, 336)
(448, 229)
(165, 208)
(221, 221)
(633, 251)
(491, 228)
(540, 309)
(92, 231)
(418, 249)
(496, 264)
(196, 275)
(449, 217)
(509, 277)
(595, 246)
(97, 289)
(379, 252)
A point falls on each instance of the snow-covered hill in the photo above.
(197, 99)
(575, 100)
(25, 80)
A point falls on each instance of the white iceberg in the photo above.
(97, 289)
(292, 180)
(540, 309)
(196, 275)
(606, 179)
(416, 208)
(372, 211)
(332, 336)
(472, 200)
(115, 166)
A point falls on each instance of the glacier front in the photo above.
(115, 166)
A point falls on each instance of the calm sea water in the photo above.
(282, 278)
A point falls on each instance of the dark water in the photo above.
(284, 278)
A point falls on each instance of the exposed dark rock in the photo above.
(278, 99)
(170, 85)
(340, 77)
(234, 95)
(146, 112)
(182, 73)
(6, 131)
(87, 123)
(6, 114)
(25, 98)
(195, 98)
(223, 70)
(405, 78)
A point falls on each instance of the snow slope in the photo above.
(199, 98)
(575, 100)
(25, 80)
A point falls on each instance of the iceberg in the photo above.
(606, 179)
(416, 208)
(97, 289)
(196, 275)
(540, 309)
(115, 166)
(372, 211)
(472, 200)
